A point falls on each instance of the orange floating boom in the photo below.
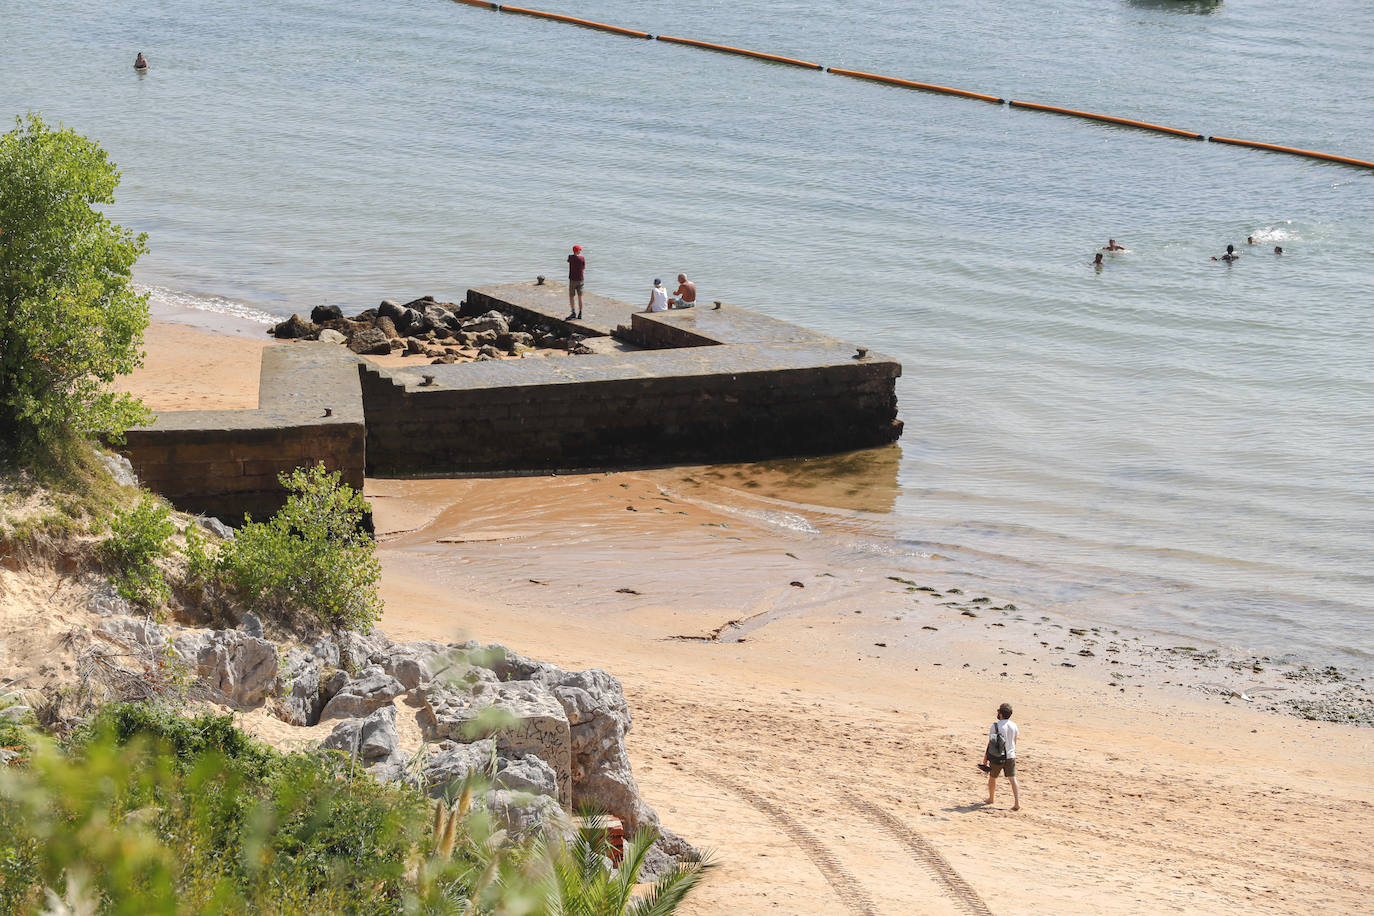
(910, 84)
(729, 50)
(1143, 125)
(1294, 151)
(587, 23)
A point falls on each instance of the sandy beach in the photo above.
(817, 723)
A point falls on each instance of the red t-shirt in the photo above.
(576, 265)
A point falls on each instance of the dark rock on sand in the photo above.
(322, 313)
(370, 342)
(295, 328)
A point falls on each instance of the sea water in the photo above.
(1169, 442)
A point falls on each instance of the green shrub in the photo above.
(313, 556)
(202, 568)
(147, 812)
(71, 321)
(138, 538)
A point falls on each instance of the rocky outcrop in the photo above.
(542, 739)
(359, 696)
(239, 669)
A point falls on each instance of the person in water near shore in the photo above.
(1278, 249)
(686, 294)
(1000, 756)
(1249, 240)
(577, 268)
(658, 298)
(1097, 259)
(140, 62)
(1230, 254)
(1113, 246)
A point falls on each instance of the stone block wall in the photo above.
(211, 469)
(225, 462)
(646, 332)
(628, 422)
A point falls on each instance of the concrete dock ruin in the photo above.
(696, 385)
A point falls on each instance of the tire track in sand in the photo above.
(841, 880)
(950, 880)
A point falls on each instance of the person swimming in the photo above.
(1249, 240)
(1097, 260)
(1230, 254)
(140, 62)
(1113, 246)
(1278, 249)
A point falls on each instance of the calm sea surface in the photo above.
(1168, 443)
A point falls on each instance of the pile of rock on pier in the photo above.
(426, 328)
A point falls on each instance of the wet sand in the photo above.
(822, 736)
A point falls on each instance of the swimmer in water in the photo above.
(1230, 254)
(1249, 240)
(1278, 249)
(140, 62)
(1113, 246)
(1097, 260)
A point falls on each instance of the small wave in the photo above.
(217, 305)
(1271, 234)
(788, 521)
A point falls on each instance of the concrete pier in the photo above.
(685, 386)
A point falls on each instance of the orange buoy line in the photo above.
(572, 20)
(1144, 125)
(729, 50)
(911, 84)
(1345, 160)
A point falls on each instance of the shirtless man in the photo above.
(686, 294)
(1097, 260)
(1113, 246)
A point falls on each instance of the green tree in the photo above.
(69, 319)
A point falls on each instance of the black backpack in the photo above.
(997, 745)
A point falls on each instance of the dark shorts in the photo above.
(1002, 769)
(574, 286)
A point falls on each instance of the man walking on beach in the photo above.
(1000, 756)
(577, 268)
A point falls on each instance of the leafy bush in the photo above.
(138, 538)
(148, 812)
(313, 556)
(71, 321)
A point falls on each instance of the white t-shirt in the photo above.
(659, 302)
(1009, 731)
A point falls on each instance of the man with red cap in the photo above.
(577, 266)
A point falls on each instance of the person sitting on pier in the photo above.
(686, 294)
(1113, 246)
(658, 298)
